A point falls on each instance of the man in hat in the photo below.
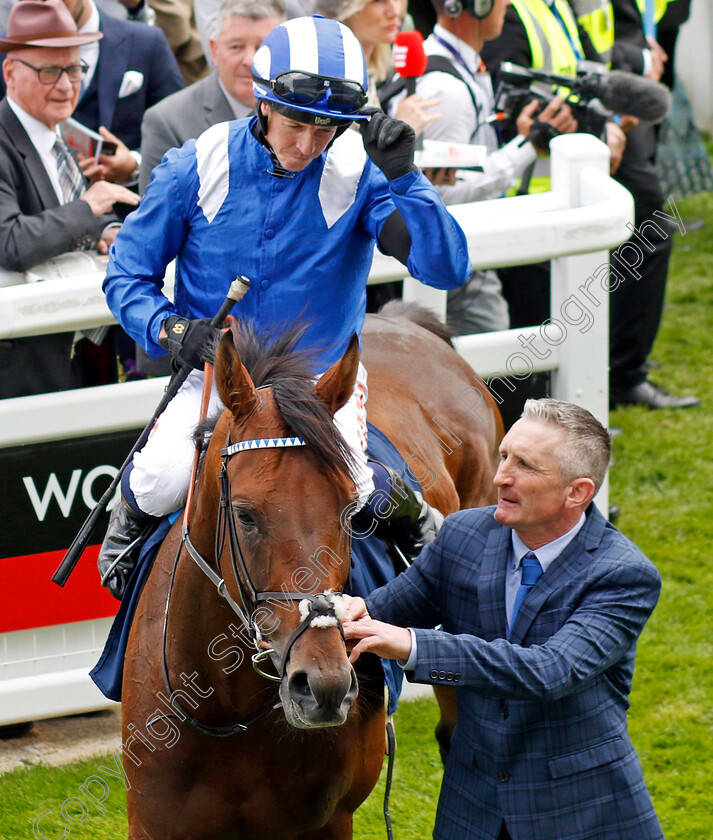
(45, 207)
(129, 70)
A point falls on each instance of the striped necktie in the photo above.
(71, 179)
(531, 573)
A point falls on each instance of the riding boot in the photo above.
(404, 520)
(127, 532)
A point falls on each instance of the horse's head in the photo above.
(286, 547)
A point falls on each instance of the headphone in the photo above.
(476, 8)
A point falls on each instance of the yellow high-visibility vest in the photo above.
(596, 17)
(551, 49)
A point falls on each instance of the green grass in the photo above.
(663, 482)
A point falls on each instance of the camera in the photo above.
(517, 86)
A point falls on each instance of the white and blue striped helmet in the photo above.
(315, 67)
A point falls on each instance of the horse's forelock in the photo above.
(272, 359)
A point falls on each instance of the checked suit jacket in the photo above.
(541, 739)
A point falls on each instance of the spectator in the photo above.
(131, 69)
(541, 603)
(206, 12)
(458, 79)
(536, 36)
(226, 94)
(177, 20)
(45, 208)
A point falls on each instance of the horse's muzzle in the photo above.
(316, 697)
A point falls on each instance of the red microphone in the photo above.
(409, 58)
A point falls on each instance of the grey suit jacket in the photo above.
(182, 116)
(34, 227)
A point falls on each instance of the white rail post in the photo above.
(576, 297)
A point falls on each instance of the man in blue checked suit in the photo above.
(541, 601)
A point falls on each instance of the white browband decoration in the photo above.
(262, 443)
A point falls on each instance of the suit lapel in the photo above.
(112, 64)
(562, 569)
(37, 174)
(491, 583)
(217, 108)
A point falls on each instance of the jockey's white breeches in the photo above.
(162, 469)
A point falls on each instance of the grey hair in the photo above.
(586, 449)
(251, 9)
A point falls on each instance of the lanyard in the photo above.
(572, 42)
(458, 57)
(649, 18)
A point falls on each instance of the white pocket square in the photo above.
(131, 82)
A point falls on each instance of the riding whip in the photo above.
(237, 290)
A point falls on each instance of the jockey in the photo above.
(294, 201)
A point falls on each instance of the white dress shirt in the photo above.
(42, 138)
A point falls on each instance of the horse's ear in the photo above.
(337, 384)
(235, 386)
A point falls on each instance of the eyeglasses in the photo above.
(52, 74)
(299, 88)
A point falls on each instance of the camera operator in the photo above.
(458, 78)
(543, 35)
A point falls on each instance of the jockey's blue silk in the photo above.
(305, 240)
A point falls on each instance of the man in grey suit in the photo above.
(541, 603)
(227, 94)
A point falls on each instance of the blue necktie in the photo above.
(531, 573)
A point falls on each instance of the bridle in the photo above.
(312, 606)
(316, 610)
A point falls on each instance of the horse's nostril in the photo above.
(299, 685)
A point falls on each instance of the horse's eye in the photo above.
(244, 519)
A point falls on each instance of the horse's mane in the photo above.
(419, 315)
(272, 360)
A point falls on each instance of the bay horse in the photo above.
(212, 749)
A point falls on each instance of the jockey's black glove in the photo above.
(190, 342)
(390, 144)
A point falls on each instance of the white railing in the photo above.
(575, 225)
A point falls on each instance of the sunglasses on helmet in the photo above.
(298, 88)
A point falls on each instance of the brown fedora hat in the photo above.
(43, 23)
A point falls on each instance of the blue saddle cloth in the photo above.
(371, 568)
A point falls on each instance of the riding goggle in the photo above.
(304, 89)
